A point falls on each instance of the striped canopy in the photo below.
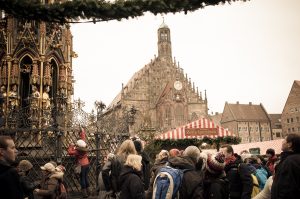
(197, 129)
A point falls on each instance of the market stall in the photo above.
(197, 129)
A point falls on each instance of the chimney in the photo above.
(250, 103)
(237, 102)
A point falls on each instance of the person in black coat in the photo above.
(238, 174)
(216, 184)
(27, 184)
(131, 182)
(192, 182)
(145, 162)
(286, 182)
(10, 186)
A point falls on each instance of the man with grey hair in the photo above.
(10, 186)
(192, 182)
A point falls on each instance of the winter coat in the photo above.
(266, 192)
(216, 186)
(80, 154)
(102, 193)
(286, 182)
(154, 170)
(145, 169)
(27, 185)
(192, 182)
(49, 186)
(240, 180)
(131, 184)
(10, 186)
(111, 174)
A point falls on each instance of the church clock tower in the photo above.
(164, 42)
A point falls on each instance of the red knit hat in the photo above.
(215, 163)
(174, 152)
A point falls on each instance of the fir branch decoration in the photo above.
(99, 10)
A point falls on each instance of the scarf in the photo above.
(230, 160)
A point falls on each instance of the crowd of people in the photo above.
(15, 182)
(208, 175)
(186, 174)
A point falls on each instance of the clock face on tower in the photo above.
(178, 85)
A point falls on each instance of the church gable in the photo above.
(293, 98)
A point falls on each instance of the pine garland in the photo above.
(99, 10)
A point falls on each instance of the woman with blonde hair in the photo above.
(111, 172)
(130, 178)
(127, 147)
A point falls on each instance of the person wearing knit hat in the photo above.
(216, 184)
(80, 151)
(24, 166)
(27, 184)
(215, 163)
(174, 152)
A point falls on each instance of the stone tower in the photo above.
(35, 69)
(163, 96)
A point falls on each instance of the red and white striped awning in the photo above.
(197, 129)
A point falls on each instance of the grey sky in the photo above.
(246, 52)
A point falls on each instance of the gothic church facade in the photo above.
(163, 96)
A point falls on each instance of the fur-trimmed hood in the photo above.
(58, 175)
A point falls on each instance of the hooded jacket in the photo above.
(131, 184)
(192, 182)
(49, 185)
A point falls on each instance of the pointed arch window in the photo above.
(168, 116)
(179, 116)
(194, 116)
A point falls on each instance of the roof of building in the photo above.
(207, 125)
(275, 120)
(247, 112)
(163, 25)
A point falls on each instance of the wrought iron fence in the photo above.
(40, 142)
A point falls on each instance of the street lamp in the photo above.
(100, 106)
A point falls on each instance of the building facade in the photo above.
(290, 117)
(276, 126)
(248, 121)
(163, 96)
(35, 70)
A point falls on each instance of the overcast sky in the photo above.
(246, 52)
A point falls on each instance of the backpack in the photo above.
(255, 188)
(167, 183)
(62, 191)
(261, 175)
(116, 167)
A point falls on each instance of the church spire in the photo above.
(164, 41)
